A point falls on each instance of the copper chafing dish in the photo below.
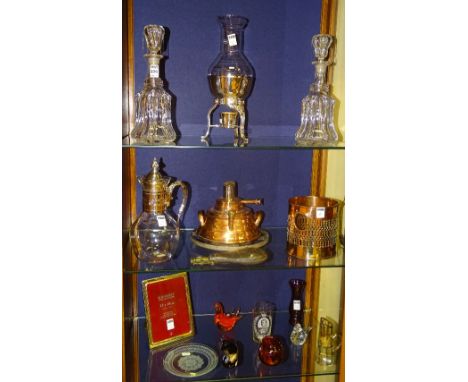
(230, 222)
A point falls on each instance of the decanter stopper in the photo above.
(318, 107)
(154, 35)
(321, 43)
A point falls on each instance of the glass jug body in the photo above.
(155, 236)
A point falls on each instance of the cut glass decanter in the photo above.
(153, 122)
(317, 107)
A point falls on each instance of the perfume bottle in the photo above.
(296, 306)
(155, 233)
(317, 107)
(230, 78)
(153, 121)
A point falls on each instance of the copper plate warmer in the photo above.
(230, 223)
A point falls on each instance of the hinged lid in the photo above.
(154, 182)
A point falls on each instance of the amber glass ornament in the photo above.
(271, 351)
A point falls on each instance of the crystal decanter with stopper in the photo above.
(230, 78)
(153, 122)
(155, 233)
(317, 107)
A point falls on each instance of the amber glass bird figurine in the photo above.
(225, 321)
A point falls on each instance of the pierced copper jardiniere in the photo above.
(312, 227)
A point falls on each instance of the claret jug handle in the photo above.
(183, 205)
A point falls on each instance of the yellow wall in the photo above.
(330, 295)
(335, 186)
(336, 158)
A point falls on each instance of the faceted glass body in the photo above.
(153, 121)
(317, 120)
(155, 237)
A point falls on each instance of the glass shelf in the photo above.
(226, 142)
(150, 362)
(275, 250)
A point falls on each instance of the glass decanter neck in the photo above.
(318, 87)
(152, 62)
(320, 81)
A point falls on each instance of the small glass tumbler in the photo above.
(262, 320)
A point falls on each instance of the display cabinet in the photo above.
(271, 166)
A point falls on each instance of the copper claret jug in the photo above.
(155, 233)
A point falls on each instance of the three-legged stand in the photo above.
(239, 130)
